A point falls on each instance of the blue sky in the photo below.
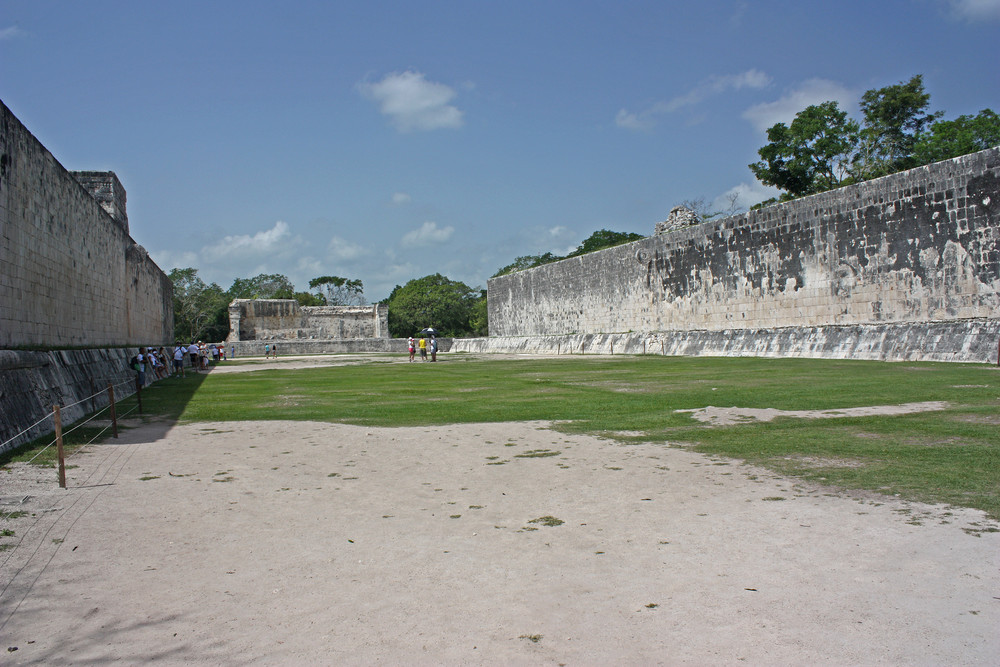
(390, 140)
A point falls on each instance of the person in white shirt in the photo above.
(179, 360)
(193, 354)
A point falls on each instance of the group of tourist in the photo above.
(423, 345)
(155, 361)
(150, 360)
(202, 354)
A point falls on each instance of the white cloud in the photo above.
(168, 259)
(748, 194)
(427, 234)
(713, 85)
(629, 121)
(412, 102)
(9, 33)
(717, 85)
(976, 10)
(259, 243)
(813, 91)
(400, 198)
(343, 249)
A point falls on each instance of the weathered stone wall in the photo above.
(255, 348)
(71, 275)
(284, 319)
(919, 246)
(955, 341)
(32, 382)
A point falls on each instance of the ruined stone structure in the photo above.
(75, 289)
(284, 319)
(678, 218)
(913, 257)
(72, 276)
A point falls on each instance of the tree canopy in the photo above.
(599, 240)
(432, 301)
(262, 286)
(201, 312)
(810, 155)
(339, 291)
(894, 117)
(952, 138)
(823, 148)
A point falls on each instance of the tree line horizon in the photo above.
(821, 149)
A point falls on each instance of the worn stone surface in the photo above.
(957, 341)
(678, 218)
(284, 319)
(32, 382)
(921, 246)
(70, 276)
(255, 348)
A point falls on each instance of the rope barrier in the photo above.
(48, 416)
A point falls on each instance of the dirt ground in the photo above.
(311, 543)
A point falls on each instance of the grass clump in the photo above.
(548, 520)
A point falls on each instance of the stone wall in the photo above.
(71, 275)
(32, 382)
(955, 341)
(284, 319)
(916, 247)
(255, 348)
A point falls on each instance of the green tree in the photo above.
(527, 262)
(604, 238)
(812, 154)
(479, 318)
(599, 240)
(432, 301)
(894, 116)
(262, 286)
(339, 291)
(951, 138)
(201, 312)
(309, 299)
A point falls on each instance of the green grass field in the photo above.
(949, 456)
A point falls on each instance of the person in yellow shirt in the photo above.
(423, 349)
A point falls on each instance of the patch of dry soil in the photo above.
(728, 416)
(307, 543)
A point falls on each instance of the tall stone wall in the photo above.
(71, 275)
(919, 246)
(284, 319)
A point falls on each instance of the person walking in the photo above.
(267, 350)
(411, 344)
(434, 348)
(179, 360)
(193, 355)
(139, 365)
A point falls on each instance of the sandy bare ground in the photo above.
(307, 543)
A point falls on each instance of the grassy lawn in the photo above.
(950, 456)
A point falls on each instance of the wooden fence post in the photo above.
(59, 446)
(114, 412)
